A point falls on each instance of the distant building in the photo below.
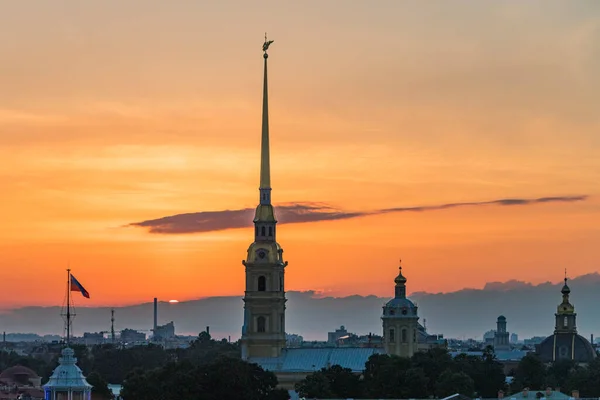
(514, 338)
(20, 381)
(333, 337)
(164, 332)
(91, 339)
(132, 336)
(565, 343)
(534, 340)
(501, 335)
(293, 340)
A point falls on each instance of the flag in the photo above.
(78, 287)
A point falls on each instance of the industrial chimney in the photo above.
(155, 315)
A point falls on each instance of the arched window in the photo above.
(262, 283)
(415, 335)
(260, 324)
(404, 335)
(270, 231)
(256, 231)
(263, 231)
(281, 282)
(392, 335)
(566, 322)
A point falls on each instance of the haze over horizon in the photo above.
(131, 131)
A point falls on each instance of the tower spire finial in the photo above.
(265, 165)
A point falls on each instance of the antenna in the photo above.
(112, 325)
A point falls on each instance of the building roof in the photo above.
(67, 374)
(17, 371)
(569, 346)
(314, 359)
(533, 395)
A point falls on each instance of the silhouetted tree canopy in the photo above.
(224, 379)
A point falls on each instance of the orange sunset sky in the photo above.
(114, 112)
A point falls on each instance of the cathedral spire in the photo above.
(400, 290)
(265, 164)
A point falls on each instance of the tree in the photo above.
(224, 379)
(451, 382)
(559, 372)
(385, 376)
(487, 373)
(100, 386)
(315, 385)
(530, 372)
(333, 382)
(433, 362)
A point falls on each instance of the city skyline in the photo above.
(489, 141)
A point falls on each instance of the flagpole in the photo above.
(68, 306)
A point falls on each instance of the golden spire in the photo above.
(265, 165)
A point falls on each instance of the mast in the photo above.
(68, 306)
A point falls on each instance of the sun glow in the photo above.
(173, 301)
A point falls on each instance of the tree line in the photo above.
(435, 374)
(426, 374)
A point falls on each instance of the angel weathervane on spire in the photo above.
(267, 43)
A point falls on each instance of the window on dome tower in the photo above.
(262, 283)
(392, 335)
(261, 324)
(404, 335)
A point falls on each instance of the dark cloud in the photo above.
(208, 221)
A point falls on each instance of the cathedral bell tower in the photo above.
(565, 313)
(263, 333)
(400, 322)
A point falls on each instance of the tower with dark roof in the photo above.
(501, 342)
(566, 343)
(400, 322)
(263, 332)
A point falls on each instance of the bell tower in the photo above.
(400, 321)
(565, 312)
(263, 332)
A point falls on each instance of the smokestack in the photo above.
(155, 314)
(208, 330)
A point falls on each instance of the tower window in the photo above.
(282, 323)
(566, 322)
(281, 282)
(392, 335)
(415, 335)
(261, 324)
(404, 335)
(256, 231)
(262, 283)
(270, 231)
(263, 231)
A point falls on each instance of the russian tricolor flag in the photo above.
(78, 287)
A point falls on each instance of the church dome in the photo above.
(569, 346)
(67, 375)
(18, 374)
(400, 307)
